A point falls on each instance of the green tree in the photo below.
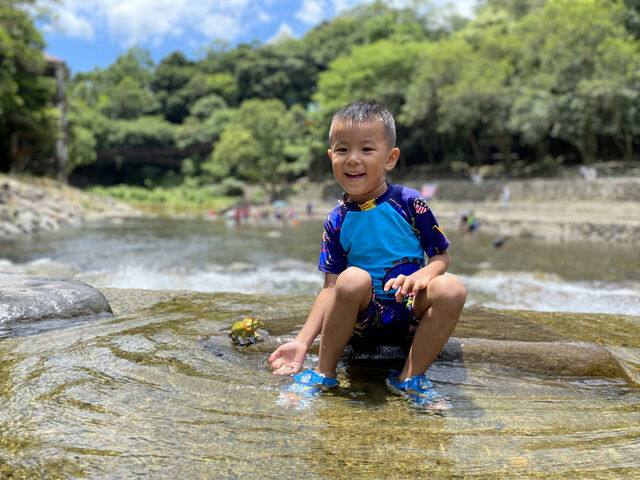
(438, 66)
(122, 90)
(169, 77)
(615, 87)
(561, 46)
(261, 143)
(29, 124)
(148, 131)
(129, 99)
(205, 106)
(202, 85)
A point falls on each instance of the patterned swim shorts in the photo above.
(386, 322)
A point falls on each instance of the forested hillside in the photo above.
(522, 88)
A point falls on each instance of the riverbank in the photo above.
(555, 210)
(34, 204)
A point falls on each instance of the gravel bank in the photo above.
(34, 205)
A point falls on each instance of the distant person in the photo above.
(468, 222)
(472, 223)
(588, 173)
(477, 178)
(499, 242)
(506, 195)
(309, 209)
(377, 288)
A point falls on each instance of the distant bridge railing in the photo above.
(167, 156)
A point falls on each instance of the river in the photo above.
(213, 256)
(158, 390)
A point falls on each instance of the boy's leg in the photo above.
(439, 308)
(352, 295)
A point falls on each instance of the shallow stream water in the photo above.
(213, 256)
(159, 391)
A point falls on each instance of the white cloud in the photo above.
(219, 26)
(130, 22)
(284, 32)
(311, 11)
(70, 24)
(136, 21)
(465, 7)
(149, 21)
(264, 17)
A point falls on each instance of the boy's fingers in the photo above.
(283, 370)
(392, 283)
(407, 285)
(274, 356)
(276, 363)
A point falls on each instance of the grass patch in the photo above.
(173, 198)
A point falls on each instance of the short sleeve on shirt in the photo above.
(333, 258)
(432, 237)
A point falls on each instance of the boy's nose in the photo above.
(353, 158)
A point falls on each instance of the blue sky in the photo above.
(88, 33)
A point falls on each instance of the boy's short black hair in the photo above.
(363, 112)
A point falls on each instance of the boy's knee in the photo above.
(353, 281)
(448, 289)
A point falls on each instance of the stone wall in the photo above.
(618, 189)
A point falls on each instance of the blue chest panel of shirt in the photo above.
(378, 239)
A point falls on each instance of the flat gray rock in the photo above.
(26, 298)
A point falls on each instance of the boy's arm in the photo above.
(313, 324)
(289, 357)
(419, 280)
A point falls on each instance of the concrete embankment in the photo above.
(557, 210)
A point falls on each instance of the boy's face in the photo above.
(360, 156)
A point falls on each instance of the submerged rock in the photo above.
(539, 342)
(26, 298)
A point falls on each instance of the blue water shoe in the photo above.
(418, 389)
(305, 387)
(310, 382)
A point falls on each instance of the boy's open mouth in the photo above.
(354, 176)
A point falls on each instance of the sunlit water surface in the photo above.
(213, 256)
(159, 391)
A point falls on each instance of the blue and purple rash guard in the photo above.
(386, 236)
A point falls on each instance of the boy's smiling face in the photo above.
(360, 156)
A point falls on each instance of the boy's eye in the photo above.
(341, 149)
(367, 149)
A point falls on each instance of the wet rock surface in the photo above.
(26, 298)
(521, 340)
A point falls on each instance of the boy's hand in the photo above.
(288, 358)
(407, 285)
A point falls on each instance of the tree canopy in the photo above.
(523, 86)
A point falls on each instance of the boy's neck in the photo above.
(378, 194)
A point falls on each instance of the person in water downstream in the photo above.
(377, 288)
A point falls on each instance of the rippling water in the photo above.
(193, 254)
(158, 390)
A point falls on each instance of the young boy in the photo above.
(377, 288)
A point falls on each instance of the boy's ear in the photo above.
(330, 153)
(392, 159)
